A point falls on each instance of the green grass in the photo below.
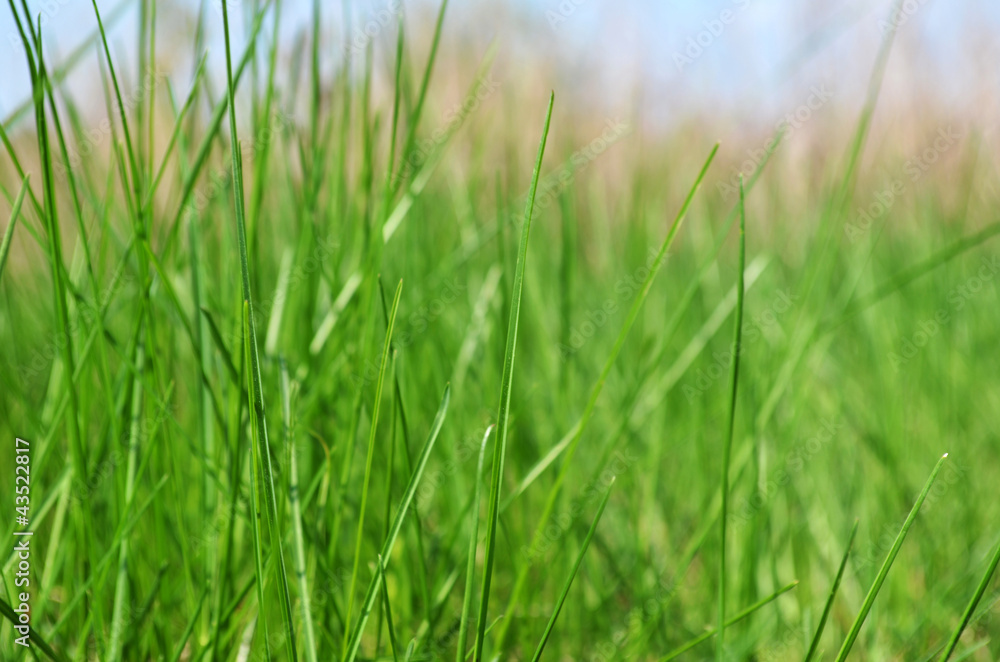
(438, 482)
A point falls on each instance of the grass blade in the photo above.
(499, 450)
(122, 581)
(179, 650)
(833, 593)
(404, 505)
(388, 611)
(8, 612)
(308, 631)
(732, 621)
(8, 234)
(734, 378)
(572, 575)
(470, 569)
(371, 457)
(576, 435)
(262, 447)
(852, 635)
(971, 607)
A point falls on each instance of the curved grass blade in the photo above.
(388, 611)
(308, 631)
(404, 505)
(500, 449)
(8, 612)
(833, 593)
(8, 234)
(580, 427)
(179, 649)
(572, 575)
(371, 457)
(852, 635)
(732, 621)
(971, 608)
(122, 580)
(262, 447)
(470, 569)
(255, 516)
(727, 451)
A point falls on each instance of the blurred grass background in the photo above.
(870, 320)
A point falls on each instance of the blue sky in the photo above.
(759, 54)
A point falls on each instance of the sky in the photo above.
(756, 57)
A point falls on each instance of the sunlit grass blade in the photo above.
(261, 444)
(912, 273)
(814, 647)
(384, 360)
(708, 634)
(852, 634)
(470, 568)
(388, 611)
(404, 506)
(414, 119)
(970, 609)
(572, 575)
(308, 630)
(573, 442)
(735, 352)
(8, 612)
(122, 581)
(506, 384)
(8, 234)
(182, 642)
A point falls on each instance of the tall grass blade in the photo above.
(308, 630)
(376, 406)
(727, 449)
(470, 567)
(572, 575)
(814, 646)
(262, 446)
(971, 607)
(732, 621)
(500, 448)
(8, 234)
(852, 634)
(404, 506)
(576, 435)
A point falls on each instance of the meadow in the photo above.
(405, 360)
